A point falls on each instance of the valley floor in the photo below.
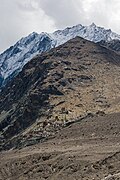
(86, 150)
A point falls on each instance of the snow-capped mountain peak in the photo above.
(13, 59)
(93, 25)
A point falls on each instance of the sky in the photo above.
(18, 18)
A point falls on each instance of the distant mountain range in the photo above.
(13, 59)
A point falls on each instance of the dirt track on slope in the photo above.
(86, 150)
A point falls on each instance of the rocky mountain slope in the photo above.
(13, 59)
(113, 45)
(75, 80)
(86, 150)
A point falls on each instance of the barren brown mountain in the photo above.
(67, 101)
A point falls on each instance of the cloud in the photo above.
(68, 12)
(63, 12)
(105, 13)
(21, 17)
